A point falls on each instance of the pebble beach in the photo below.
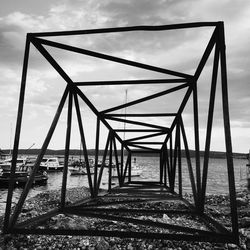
(216, 205)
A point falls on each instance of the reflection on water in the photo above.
(216, 183)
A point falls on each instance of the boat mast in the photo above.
(125, 112)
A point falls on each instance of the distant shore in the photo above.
(60, 152)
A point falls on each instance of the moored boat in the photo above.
(51, 164)
(22, 176)
(6, 164)
(79, 168)
(136, 170)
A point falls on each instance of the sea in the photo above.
(217, 180)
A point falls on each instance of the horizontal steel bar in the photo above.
(131, 82)
(219, 238)
(144, 211)
(144, 152)
(138, 130)
(141, 115)
(126, 29)
(145, 142)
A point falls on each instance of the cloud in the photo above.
(177, 50)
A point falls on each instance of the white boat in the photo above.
(51, 164)
(136, 170)
(78, 170)
(6, 164)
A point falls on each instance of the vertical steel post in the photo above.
(110, 162)
(179, 160)
(161, 167)
(17, 135)
(164, 165)
(197, 143)
(227, 130)
(129, 167)
(66, 153)
(96, 155)
(122, 163)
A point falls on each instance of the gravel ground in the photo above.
(216, 205)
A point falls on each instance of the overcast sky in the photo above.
(175, 50)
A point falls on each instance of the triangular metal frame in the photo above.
(169, 152)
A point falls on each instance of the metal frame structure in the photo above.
(169, 150)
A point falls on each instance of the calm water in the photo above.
(217, 178)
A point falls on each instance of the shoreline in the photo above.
(217, 205)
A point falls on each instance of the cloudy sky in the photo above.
(176, 50)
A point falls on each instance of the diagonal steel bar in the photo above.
(39, 158)
(61, 72)
(143, 147)
(112, 58)
(209, 124)
(117, 162)
(147, 98)
(190, 169)
(144, 137)
(206, 54)
(197, 142)
(84, 146)
(136, 123)
(17, 135)
(103, 161)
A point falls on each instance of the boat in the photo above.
(79, 168)
(6, 164)
(51, 164)
(22, 176)
(136, 170)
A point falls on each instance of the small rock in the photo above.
(102, 245)
(232, 246)
(245, 222)
(241, 202)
